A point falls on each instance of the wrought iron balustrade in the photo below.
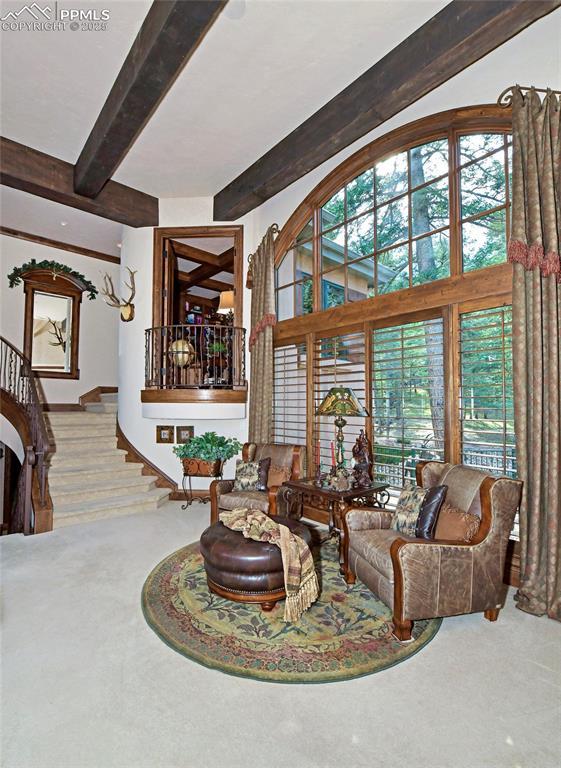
(17, 380)
(195, 357)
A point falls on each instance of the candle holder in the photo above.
(318, 481)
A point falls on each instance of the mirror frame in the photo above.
(45, 281)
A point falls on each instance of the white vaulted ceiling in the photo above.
(54, 84)
(263, 68)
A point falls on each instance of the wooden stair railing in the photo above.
(32, 511)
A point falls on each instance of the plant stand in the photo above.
(198, 468)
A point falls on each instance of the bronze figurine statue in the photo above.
(362, 454)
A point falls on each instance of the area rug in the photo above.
(345, 634)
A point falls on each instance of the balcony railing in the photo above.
(195, 357)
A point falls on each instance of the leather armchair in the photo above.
(422, 579)
(223, 496)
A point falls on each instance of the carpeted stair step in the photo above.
(91, 491)
(86, 459)
(85, 444)
(57, 418)
(105, 429)
(109, 408)
(83, 512)
(64, 477)
(109, 397)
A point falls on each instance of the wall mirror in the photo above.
(52, 332)
(52, 323)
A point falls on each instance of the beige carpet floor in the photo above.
(87, 684)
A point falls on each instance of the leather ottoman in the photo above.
(245, 570)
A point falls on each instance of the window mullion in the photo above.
(452, 392)
(316, 257)
(455, 204)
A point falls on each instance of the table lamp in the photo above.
(226, 306)
(340, 402)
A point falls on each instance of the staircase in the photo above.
(88, 477)
(108, 404)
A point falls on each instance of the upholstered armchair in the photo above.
(420, 578)
(222, 493)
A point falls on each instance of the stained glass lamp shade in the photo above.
(340, 402)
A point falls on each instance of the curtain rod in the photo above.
(505, 99)
(275, 228)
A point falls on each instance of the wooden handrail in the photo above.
(18, 381)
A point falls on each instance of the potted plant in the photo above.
(204, 455)
(217, 348)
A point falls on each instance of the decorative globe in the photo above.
(182, 353)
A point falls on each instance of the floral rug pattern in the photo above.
(345, 634)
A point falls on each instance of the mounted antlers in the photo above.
(58, 333)
(126, 307)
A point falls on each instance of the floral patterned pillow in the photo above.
(251, 475)
(408, 509)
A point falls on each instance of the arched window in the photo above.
(391, 279)
(433, 206)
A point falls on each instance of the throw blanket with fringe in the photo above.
(300, 579)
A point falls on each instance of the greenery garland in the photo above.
(56, 268)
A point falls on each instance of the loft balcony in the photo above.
(196, 364)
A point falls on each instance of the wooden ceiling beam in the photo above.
(202, 273)
(211, 285)
(40, 174)
(461, 33)
(203, 300)
(216, 285)
(192, 253)
(59, 244)
(168, 37)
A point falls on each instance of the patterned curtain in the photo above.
(534, 250)
(263, 318)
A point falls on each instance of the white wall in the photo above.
(533, 57)
(137, 253)
(98, 359)
(10, 437)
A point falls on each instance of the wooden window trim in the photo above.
(449, 125)
(447, 298)
(475, 119)
(489, 283)
(161, 234)
(450, 314)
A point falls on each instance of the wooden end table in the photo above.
(300, 493)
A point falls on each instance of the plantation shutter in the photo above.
(338, 360)
(486, 399)
(289, 394)
(486, 407)
(407, 399)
